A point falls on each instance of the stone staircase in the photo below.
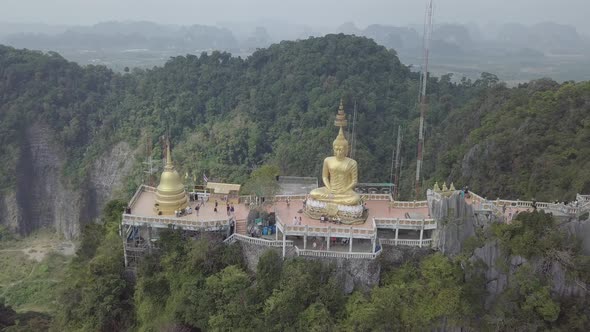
(241, 227)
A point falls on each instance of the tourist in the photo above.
(216, 204)
(299, 220)
(227, 208)
(314, 245)
(215, 209)
(197, 210)
(288, 202)
(294, 220)
(232, 210)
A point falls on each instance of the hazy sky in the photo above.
(312, 12)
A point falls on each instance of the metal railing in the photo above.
(137, 194)
(283, 198)
(404, 223)
(164, 222)
(409, 205)
(406, 242)
(582, 198)
(246, 199)
(331, 230)
(258, 241)
(337, 254)
(376, 197)
(567, 209)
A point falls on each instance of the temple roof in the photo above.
(223, 188)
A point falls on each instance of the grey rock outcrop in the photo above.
(579, 230)
(10, 211)
(457, 222)
(42, 197)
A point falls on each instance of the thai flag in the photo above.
(205, 178)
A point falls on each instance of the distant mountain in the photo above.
(129, 35)
(548, 37)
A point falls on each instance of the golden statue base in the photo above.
(343, 214)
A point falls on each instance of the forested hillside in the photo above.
(204, 285)
(228, 115)
(530, 142)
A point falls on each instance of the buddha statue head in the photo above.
(340, 146)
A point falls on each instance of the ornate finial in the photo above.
(444, 187)
(452, 187)
(436, 187)
(340, 139)
(341, 116)
(168, 154)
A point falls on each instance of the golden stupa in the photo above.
(170, 194)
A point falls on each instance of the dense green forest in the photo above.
(228, 115)
(204, 285)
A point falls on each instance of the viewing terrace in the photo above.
(399, 223)
(142, 213)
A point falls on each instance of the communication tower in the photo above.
(422, 99)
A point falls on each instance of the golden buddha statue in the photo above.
(170, 194)
(339, 173)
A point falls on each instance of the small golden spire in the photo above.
(452, 187)
(341, 116)
(168, 155)
(444, 187)
(436, 187)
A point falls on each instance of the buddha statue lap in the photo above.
(340, 176)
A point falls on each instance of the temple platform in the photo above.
(403, 223)
(142, 213)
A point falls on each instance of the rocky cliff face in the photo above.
(457, 222)
(461, 221)
(42, 199)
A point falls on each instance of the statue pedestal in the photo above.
(346, 214)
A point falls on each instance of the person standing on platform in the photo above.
(227, 208)
(197, 210)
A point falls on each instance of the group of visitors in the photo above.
(324, 218)
(229, 208)
(297, 221)
(464, 192)
(182, 212)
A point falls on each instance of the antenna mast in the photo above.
(151, 165)
(353, 138)
(423, 102)
(397, 162)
